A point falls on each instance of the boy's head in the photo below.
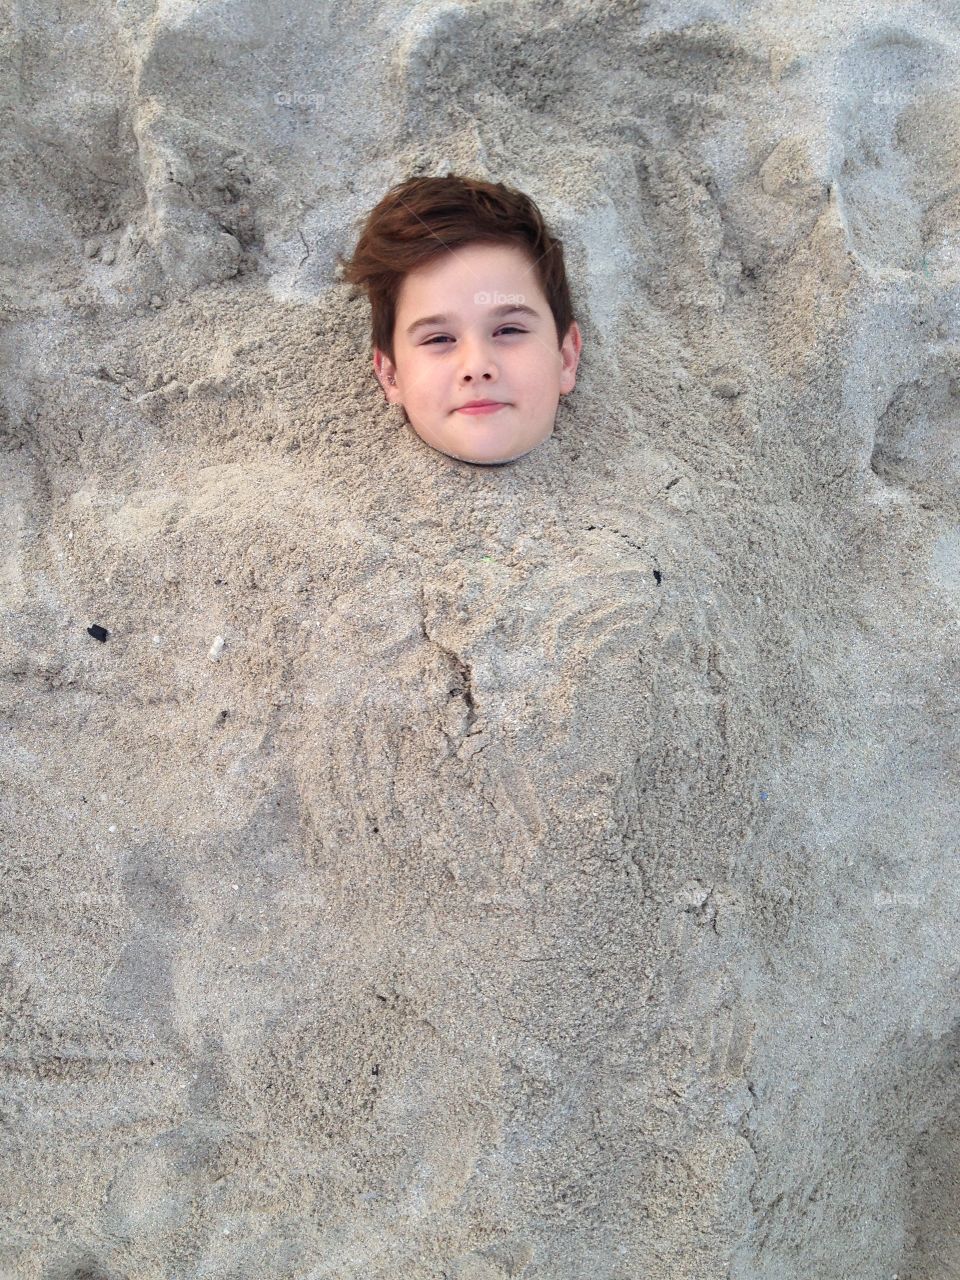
(469, 302)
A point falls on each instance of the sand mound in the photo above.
(427, 870)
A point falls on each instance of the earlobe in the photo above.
(572, 346)
(383, 368)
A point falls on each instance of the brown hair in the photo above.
(420, 218)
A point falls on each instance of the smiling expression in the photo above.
(473, 324)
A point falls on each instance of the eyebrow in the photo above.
(508, 309)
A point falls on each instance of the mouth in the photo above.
(481, 406)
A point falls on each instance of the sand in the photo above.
(438, 871)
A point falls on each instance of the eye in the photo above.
(440, 337)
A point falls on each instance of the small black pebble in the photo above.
(98, 633)
(224, 714)
(657, 575)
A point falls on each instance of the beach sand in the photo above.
(540, 871)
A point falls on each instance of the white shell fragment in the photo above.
(216, 649)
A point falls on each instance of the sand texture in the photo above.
(442, 872)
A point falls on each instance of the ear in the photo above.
(386, 372)
(570, 356)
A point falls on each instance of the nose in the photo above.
(477, 363)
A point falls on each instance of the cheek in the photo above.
(426, 378)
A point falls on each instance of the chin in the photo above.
(467, 447)
(497, 459)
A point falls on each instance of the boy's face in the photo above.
(486, 347)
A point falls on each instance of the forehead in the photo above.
(457, 275)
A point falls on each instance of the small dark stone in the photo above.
(98, 633)
(657, 574)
